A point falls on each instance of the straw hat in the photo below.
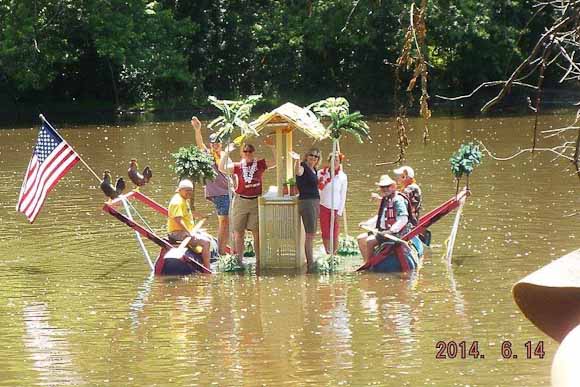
(385, 181)
(400, 171)
(550, 296)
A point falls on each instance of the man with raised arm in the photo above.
(248, 175)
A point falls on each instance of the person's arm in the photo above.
(298, 168)
(197, 215)
(198, 137)
(402, 217)
(179, 220)
(270, 144)
(226, 165)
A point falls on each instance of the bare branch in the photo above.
(485, 84)
(504, 91)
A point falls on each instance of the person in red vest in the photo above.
(248, 174)
(392, 217)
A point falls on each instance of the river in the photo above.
(78, 307)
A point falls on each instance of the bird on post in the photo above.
(108, 189)
(139, 179)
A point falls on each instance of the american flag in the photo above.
(51, 159)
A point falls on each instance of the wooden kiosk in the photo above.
(281, 230)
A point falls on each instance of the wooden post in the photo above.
(289, 161)
(279, 160)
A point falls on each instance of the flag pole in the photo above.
(80, 158)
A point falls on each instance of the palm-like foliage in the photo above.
(337, 110)
(234, 115)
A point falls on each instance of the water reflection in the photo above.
(49, 348)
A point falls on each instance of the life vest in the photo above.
(388, 205)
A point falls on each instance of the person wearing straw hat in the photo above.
(180, 220)
(392, 217)
(405, 177)
(216, 191)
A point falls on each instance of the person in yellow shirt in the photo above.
(180, 220)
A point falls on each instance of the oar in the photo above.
(386, 235)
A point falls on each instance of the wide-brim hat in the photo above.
(401, 170)
(385, 181)
(550, 296)
(184, 184)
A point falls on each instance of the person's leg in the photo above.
(309, 210)
(361, 239)
(309, 250)
(336, 232)
(371, 244)
(256, 236)
(223, 232)
(325, 228)
(222, 206)
(205, 250)
(239, 245)
(239, 220)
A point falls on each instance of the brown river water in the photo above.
(78, 307)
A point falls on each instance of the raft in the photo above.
(399, 258)
(185, 262)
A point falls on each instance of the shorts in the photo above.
(325, 223)
(309, 210)
(221, 204)
(244, 214)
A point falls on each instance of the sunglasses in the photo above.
(311, 155)
(248, 151)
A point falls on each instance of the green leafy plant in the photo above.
(291, 182)
(234, 116)
(229, 263)
(464, 161)
(328, 264)
(337, 110)
(249, 247)
(194, 164)
(347, 246)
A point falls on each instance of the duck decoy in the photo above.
(108, 189)
(139, 179)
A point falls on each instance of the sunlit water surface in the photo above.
(78, 307)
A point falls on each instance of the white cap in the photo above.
(185, 184)
(385, 181)
(410, 171)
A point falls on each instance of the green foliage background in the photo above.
(165, 54)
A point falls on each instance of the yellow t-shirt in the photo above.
(178, 206)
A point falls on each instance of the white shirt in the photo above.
(340, 186)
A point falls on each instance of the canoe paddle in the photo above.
(386, 235)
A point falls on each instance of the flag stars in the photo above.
(47, 142)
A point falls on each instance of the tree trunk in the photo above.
(114, 84)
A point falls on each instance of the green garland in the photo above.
(465, 160)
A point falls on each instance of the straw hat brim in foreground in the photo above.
(550, 296)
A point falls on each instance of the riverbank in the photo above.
(99, 111)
